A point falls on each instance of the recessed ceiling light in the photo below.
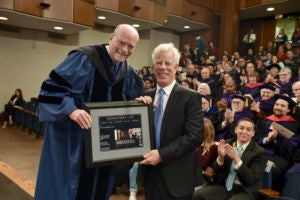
(3, 18)
(270, 9)
(186, 27)
(102, 17)
(136, 25)
(58, 28)
(166, 21)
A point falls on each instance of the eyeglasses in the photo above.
(236, 102)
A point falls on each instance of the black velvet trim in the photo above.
(59, 80)
(52, 88)
(50, 99)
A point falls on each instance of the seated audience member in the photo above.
(239, 167)
(209, 111)
(9, 110)
(207, 78)
(148, 83)
(229, 89)
(268, 59)
(296, 92)
(261, 69)
(277, 146)
(263, 105)
(252, 86)
(204, 89)
(272, 76)
(237, 110)
(281, 55)
(291, 61)
(270, 48)
(250, 56)
(208, 151)
(285, 82)
(186, 83)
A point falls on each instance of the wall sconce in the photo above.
(193, 13)
(136, 8)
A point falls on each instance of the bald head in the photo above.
(122, 42)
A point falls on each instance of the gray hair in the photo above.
(166, 47)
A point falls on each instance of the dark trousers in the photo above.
(218, 192)
(156, 187)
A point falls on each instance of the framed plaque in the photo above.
(120, 132)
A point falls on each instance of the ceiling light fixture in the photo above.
(58, 28)
(102, 17)
(136, 25)
(270, 9)
(3, 18)
(186, 27)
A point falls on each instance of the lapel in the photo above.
(170, 107)
(248, 153)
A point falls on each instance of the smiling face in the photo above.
(244, 131)
(281, 108)
(122, 43)
(165, 68)
(266, 94)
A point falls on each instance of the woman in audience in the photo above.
(208, 151)
(15, 100)
(252, 85)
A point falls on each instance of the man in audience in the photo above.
(237, 110)
(285, 81)
(278, 146)
(239, 167)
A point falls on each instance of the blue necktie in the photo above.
(232, 173)
(159, 116)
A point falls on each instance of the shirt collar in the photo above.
(167, 89)
(244, 145)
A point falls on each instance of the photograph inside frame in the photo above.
(120, 132)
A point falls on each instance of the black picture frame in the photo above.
(120, 132)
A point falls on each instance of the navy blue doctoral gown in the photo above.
(62, 152)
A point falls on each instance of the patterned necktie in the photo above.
(232, 173)
(159, 116)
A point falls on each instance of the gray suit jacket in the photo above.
(181, 134)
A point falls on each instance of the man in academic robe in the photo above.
(237, 110)
(98, 73)
(278, 147)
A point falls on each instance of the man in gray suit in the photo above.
(172, 166)
(239, 167)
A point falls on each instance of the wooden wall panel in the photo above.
(268, 31)
(108, 4)
(147, 9)
(8, 4)
(60, 10)
(84, 13)
(29, 7)
(159, 13)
